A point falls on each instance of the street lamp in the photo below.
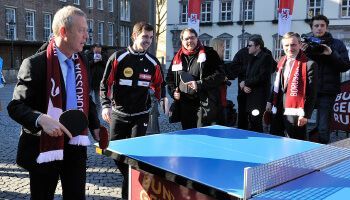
(12, 25)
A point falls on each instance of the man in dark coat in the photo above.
(294, 91)
(49, 83)
(238, 68)
(257, 83)
(97, 63)
(332, 58)
(199, 97)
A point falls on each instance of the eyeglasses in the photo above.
(250, 45)
(189, 38)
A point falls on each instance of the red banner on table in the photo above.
(285, 11)
(341, 109)
(145, 186)
(194, 13)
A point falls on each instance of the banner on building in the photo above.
(341, 109)
(194, 12)
(285, 12)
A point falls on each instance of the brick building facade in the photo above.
(27, 24)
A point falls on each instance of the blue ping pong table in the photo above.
(211, 161)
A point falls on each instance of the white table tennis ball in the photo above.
(255, 112)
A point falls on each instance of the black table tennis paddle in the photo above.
(75, 121)
(104, 138)
(186, 77)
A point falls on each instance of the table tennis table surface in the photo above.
(216, 156)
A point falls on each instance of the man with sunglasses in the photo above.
(332, 58)
(256, 84)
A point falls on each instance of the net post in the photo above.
(247, 184)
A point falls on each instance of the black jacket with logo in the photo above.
(127, 79)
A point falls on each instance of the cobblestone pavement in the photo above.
(103, 178)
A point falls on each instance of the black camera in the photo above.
(314, 43)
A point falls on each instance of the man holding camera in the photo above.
(332, 58)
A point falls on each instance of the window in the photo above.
(100, 33)
(205, 39)
(314, 7)
(124, 36)
(110, 5)
(277, 47)
(89, 3)
(100, 4)
(47, 26)
(110, 34)
(184, 12)
(30, 23)
(63, 0)
(90, 24)
(76, 2)
(243, 41)
(11, 28)
(248, 10)
(206, 12)
(345, 8)
(226, 11)
(227, 38)
(125, 10)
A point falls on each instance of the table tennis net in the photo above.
(263, 177)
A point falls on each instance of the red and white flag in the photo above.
(194, 12)
(285, 12)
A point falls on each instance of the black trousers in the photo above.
(242, 114)
(73, 178)
(287, 126)
(123, 128)
(255, 122)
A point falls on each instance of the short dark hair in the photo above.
(97, 45)
(257, 41)
(140, 26)
(191, 30)
(319, 17)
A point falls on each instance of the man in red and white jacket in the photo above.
(124, 91)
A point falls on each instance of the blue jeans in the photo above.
(324, 106)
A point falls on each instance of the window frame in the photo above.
(90, 4)
(29, 37)
(308, 8)
(90, 24)
(100, 32)
(207, 14)
(183, 12)
(227, 38)
(110, 34)
(47, 27)
(76, 2)
(226, 12)
(111, 6)
(9, 34)
(246, 11)
(347, 9)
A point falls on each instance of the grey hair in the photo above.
(64, 18)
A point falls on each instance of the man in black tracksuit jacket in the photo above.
(124, 91)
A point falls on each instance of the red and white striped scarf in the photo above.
(51, 148)
(296, 88)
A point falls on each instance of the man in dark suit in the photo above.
(257, 83)
(49, 83)
(294, 91)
